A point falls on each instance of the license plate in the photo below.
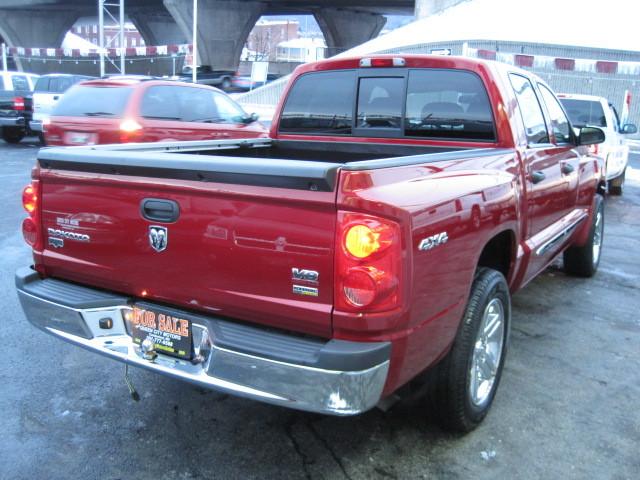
(80, 138)
(170, 334)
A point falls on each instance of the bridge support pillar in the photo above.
(223, 28)
(344, 29)
(157, 27)
(41, 28)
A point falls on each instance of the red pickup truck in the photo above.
(376, 236)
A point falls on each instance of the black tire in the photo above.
(43, 142)
(457, 409)
(616, 186)
(12, 134)
(226, 84)
(583, 261)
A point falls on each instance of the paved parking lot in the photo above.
(568, 405)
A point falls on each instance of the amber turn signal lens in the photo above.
(361, 241)
(29, 199)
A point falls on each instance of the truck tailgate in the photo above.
(231, 251)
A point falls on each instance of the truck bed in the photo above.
(291, 164)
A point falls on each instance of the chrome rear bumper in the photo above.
(334, 377)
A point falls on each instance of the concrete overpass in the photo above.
(224, 25)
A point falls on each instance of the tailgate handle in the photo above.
(158, 210)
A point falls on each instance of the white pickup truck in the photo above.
(592, 111)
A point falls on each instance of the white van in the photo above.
(592, 111)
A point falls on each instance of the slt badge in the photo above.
(158, 237)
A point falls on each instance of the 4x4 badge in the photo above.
(158, 237)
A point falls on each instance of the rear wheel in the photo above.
(12, 134)
(226, 83)
(616, 186)
(468, 377)
(583, 261)
(41, 139)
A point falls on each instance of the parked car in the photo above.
(206, 76)
(48, 91)
(243, 83)
(589, 110)
(378, 235)
(16, 104)
(117, 110)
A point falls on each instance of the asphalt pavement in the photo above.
(568, 405)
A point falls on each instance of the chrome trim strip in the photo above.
(553, 241)
(295, 386)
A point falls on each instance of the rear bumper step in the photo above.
(12, 122)
(333, 377)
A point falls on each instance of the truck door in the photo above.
(564, 150)
(550, 193)
(542, 168)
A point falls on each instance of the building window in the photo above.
(133, 42)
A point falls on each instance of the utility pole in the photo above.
(194, 56)
(4, 56)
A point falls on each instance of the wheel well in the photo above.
(498, 253)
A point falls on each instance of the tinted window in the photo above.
(532, 116)
(380, 102)
(42, 85)
(228, 110)
(559, 122)
(93, 101)
(584, 112)
(320, 103)
(448, 104)
(197, 105)
(160, 102)
(20, 82)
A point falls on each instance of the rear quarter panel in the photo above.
(472, 201)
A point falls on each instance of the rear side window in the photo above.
(320, 103)
(559, 122)
(165, 102)
(160, 103)
(93, 101)
(448, 104)
(530, 109)
(42, 85)
(584, 113)
(20, 83)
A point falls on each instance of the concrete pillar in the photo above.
(223, 28)
(344, 29)
(41, 28)
(157, 28)
(426, 8)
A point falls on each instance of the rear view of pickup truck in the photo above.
(378, 234)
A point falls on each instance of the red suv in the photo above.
(126, 109)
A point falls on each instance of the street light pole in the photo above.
(194, 56)
(123, 47)
(101, 34)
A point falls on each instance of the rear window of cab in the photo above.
(422, 103)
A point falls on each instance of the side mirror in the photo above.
(590, 136)
(251, 118)
(629, 129)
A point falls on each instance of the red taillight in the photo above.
(31, 224)
(18, 103)
(130, 130)
(368, 263)
(30, 231)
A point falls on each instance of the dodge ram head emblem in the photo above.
(158, 237)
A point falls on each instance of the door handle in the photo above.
(537, 176)
(56, 97)
(567, 168)
(158, 210)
